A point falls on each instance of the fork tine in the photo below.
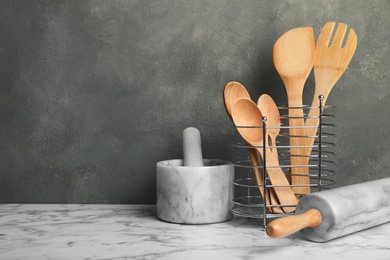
(349, 47)
(339, 35)
(351, 41)
(326, 33)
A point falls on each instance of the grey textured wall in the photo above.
(94, 93)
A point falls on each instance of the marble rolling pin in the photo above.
(192, 147)
(330, 214)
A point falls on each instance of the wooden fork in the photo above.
(330, 63)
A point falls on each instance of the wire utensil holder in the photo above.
(249, 203)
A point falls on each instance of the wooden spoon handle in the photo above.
(300, 173)
(285, 226)
(277, 177)
(284, 193)
(313, 121)
(271, 196)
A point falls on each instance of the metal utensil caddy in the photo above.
(249, 203)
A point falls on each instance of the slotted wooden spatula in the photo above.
(331, 61)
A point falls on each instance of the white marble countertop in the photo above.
(45, 231)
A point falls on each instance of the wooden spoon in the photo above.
(248, 118)
(293, 56)
(330, 64)
(233, 91)
(270, 110)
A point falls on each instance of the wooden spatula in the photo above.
(331, 61)
(293, 56)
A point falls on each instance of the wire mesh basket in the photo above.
(254, 196)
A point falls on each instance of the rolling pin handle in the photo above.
(285, 226)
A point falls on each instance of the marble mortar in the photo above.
(194, 195)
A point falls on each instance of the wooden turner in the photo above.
(331, 61)
(293, 56)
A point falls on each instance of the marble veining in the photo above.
(194, 195)
(45, 231)
(348, 209)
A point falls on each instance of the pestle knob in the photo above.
(192, 147)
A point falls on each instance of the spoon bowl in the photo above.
(270, 110)
(233, 91)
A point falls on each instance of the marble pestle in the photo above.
(192, 147)
(194, 190)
